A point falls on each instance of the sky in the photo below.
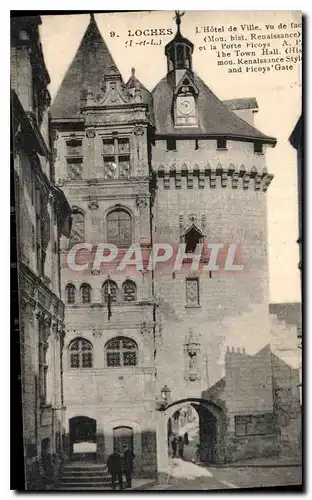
(278, 96)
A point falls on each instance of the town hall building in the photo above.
(179, 166)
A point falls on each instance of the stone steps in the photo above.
(84, 477)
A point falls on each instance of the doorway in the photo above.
(197, 426)
(82, 431)
(123, 436)
(184, 424)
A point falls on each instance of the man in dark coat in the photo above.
(114, 466)
(186, 438)
(174, 444)
(180, 447)
(128, 458)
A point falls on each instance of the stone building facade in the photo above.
(177, 166)
(42, 215)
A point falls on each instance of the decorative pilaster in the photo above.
(192, 349)
(142, 203)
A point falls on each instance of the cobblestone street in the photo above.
(188, 476)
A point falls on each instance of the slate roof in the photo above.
(215, 117)
(85, 72)
(242, 103)
(296, 136)
(290, 312)
(147, 97)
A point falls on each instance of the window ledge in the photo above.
(222, 149)
(45, 406)
(258, 154)
(105, 367)
(193, 307)
(100, 305)
(267, 434)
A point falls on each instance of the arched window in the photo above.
(192, 238)
(85, 292)
(121, 351)
(119, 228)
(129, 291)
(70, 293)
(180, 56)
(81, 354)
(110, 286)
(77, 233)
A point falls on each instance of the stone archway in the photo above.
(212, 430)
(82, 438)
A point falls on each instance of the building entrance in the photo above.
(123, 436)
(194, 431)
(82, 431)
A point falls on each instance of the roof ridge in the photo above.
(91, 60)
(225, 122)
(232, 112)
(141, 84)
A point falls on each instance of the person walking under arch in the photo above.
(181, 447)
(174, 444)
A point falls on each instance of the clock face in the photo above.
(185, 105)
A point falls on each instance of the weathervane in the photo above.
(177, 17)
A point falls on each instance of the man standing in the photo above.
(128, 458)
(174, 444)
(180, 447)
(114, 464)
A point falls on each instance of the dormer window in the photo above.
(179, 51)
(221, 143)
(192, 238)
(171, 144)
(258, 147)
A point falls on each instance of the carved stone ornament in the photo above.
(93, 204)
(47, 321)
(146, 328)
(90, 133)
(97, 333)
(51, 198)
(142, 201)
(192, 349)
(113, 88)
(39, 315)
(139, 131)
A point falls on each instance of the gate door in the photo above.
(122, 436)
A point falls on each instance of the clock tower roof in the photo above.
(215, 118)
(179, 50)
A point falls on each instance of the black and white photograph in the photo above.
(157, 223)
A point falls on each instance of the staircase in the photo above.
(84, 476)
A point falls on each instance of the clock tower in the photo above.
(179, 65)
